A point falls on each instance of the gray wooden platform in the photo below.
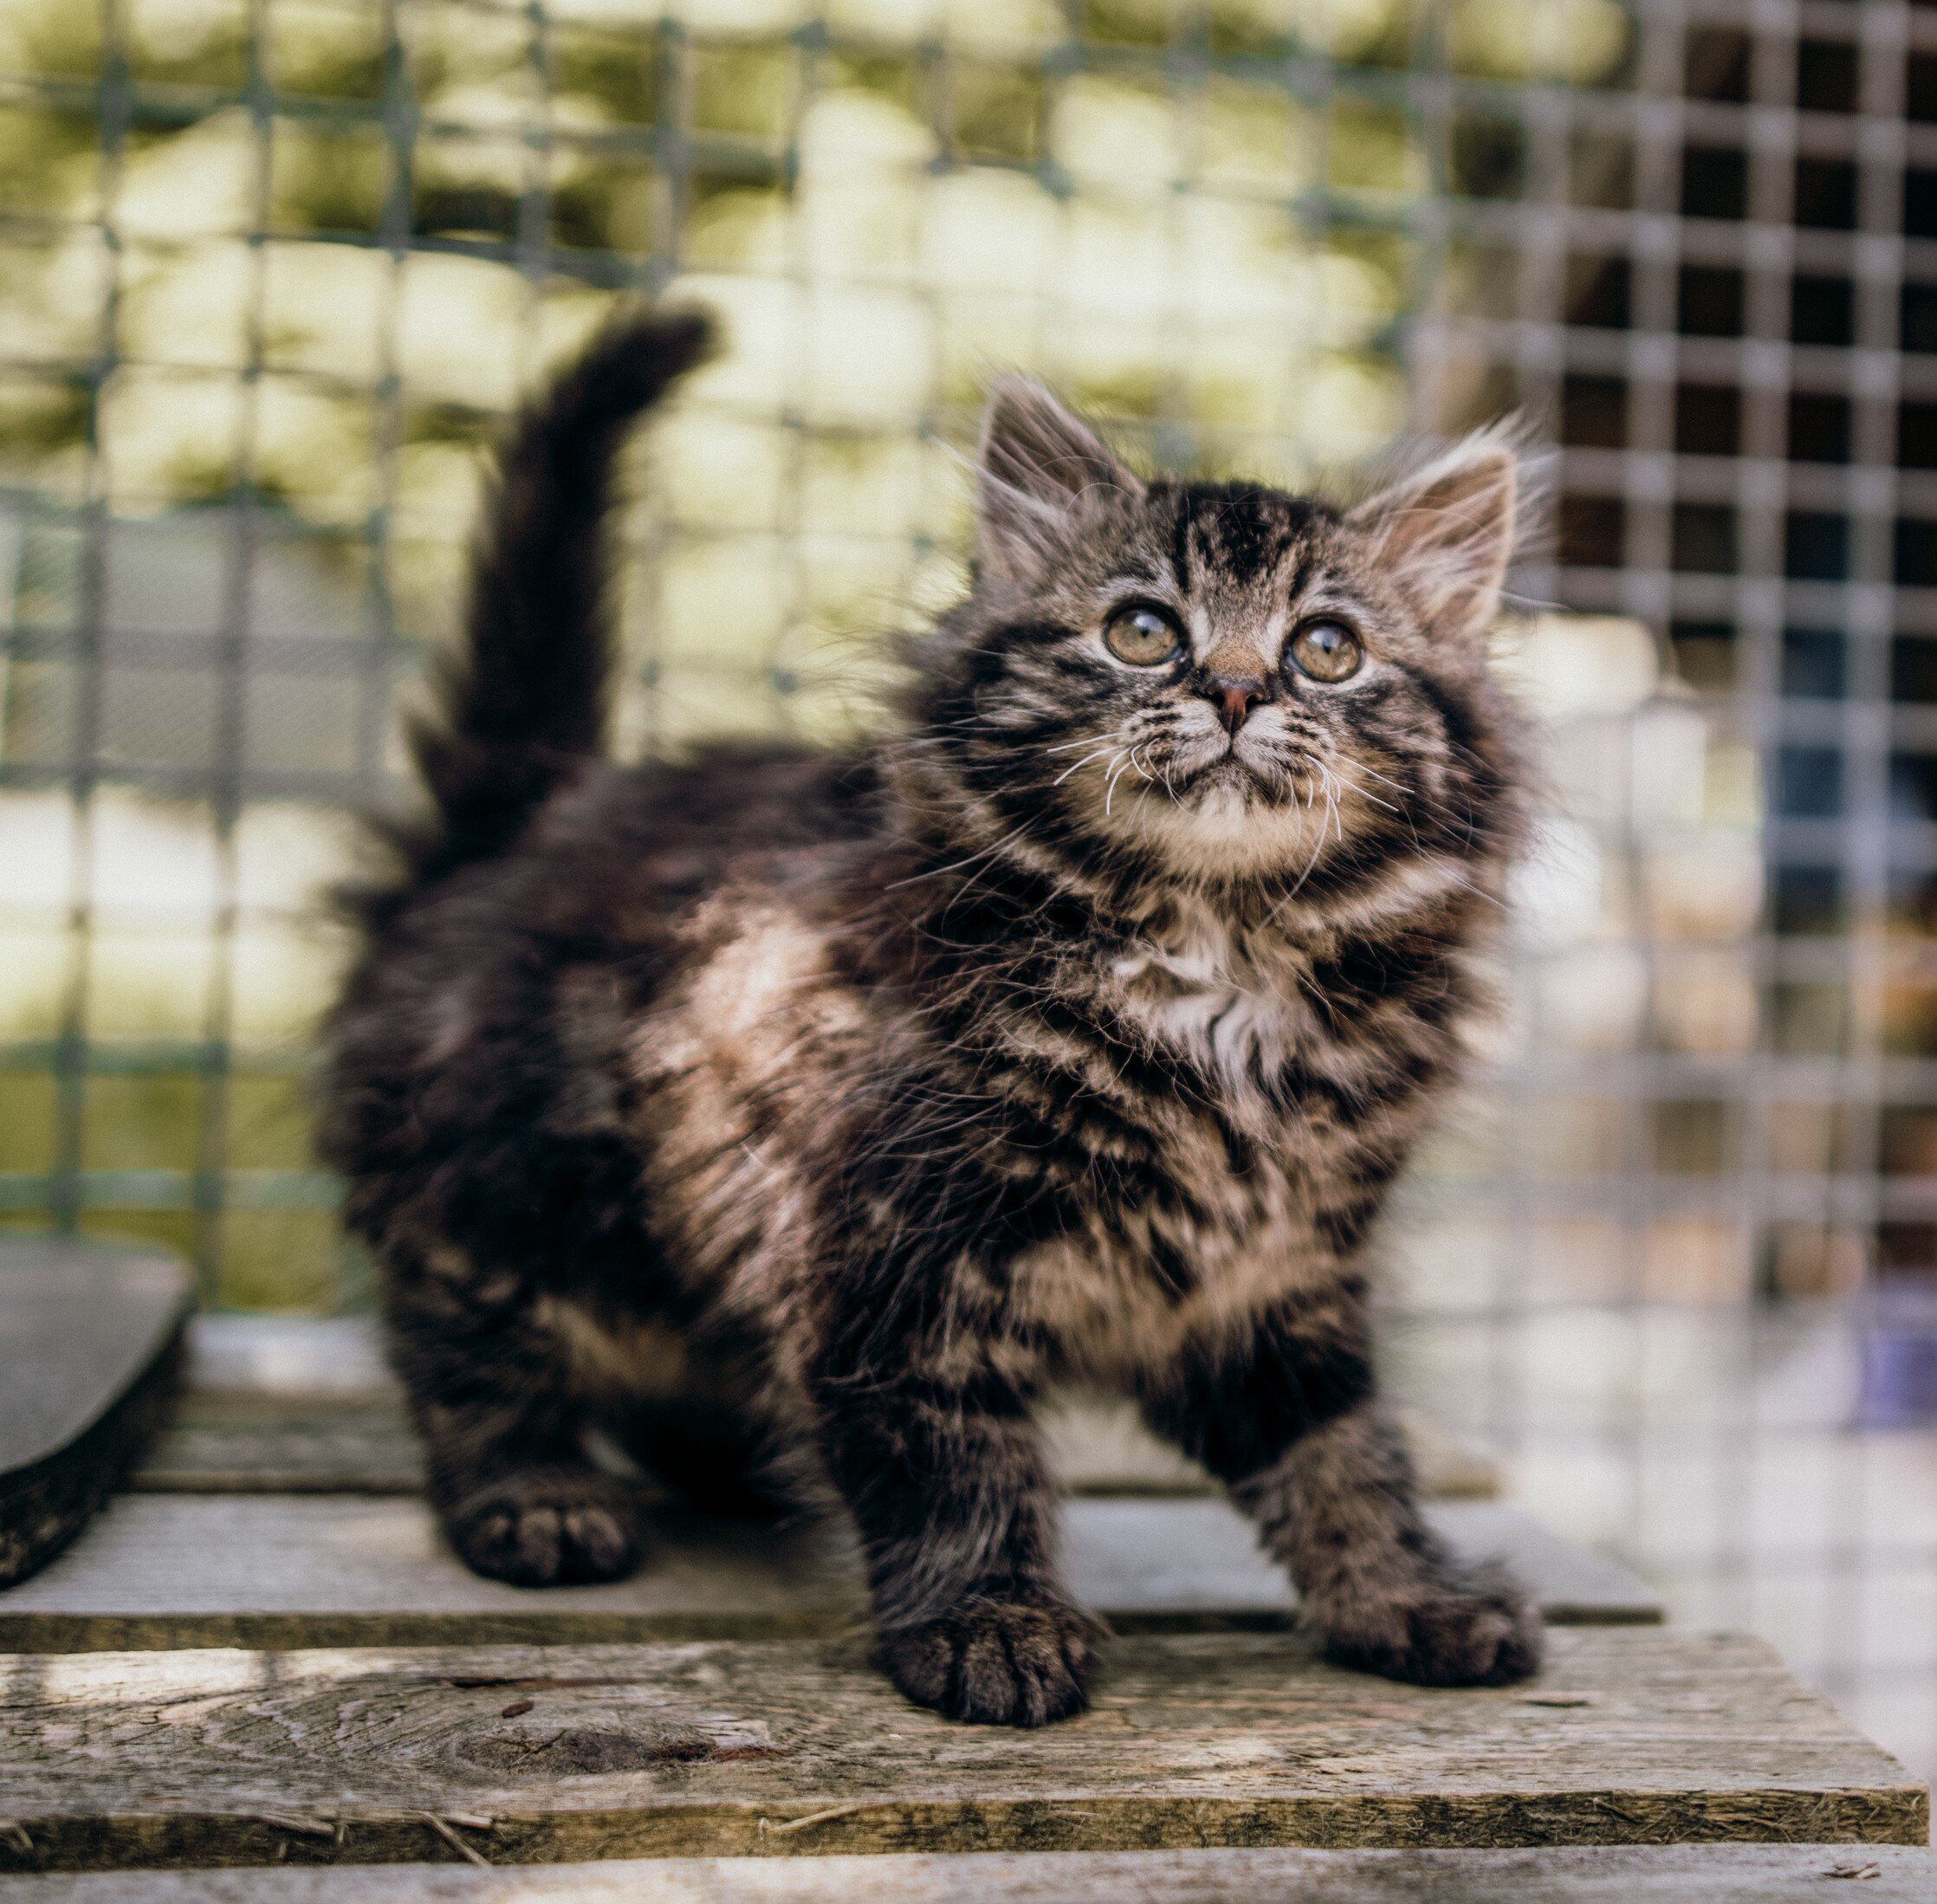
(265, 1657)
(174, 1570)
(522, 1755)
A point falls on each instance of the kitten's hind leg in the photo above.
(1288, 1416)
(506, 1469)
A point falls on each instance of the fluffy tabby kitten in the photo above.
(778, 1100)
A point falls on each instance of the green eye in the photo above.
(1143, 637)
(1327, 650)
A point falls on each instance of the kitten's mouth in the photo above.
(1229, 768)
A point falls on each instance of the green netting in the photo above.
(270, 273)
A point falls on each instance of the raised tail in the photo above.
(526, 701)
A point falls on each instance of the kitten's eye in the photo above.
(1143, 637)
(1327, 650)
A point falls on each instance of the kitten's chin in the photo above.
(1224, 821)
(1229, 779)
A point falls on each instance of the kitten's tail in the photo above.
(526, 700)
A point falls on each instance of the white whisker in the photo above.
(1084, 763)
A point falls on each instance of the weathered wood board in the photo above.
(163, 1571)
(1153, 1563)
(1196, 1740)
(281, 1404)
(272, 1442)
(89, 1342)
(252, 1442)
(1673, 1875)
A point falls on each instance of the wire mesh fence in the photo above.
(1680, 1256)
(272, 272)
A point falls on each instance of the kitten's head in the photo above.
(1222, 682)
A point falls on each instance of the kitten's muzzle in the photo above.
(1235, 696)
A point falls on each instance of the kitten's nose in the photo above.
(1235, 696)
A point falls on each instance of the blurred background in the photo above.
(272, 270)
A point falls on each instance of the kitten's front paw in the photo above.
(548, 1527)
(1451, 1628)
(995, 1663)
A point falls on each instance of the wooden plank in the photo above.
(177, 1571)
(1673, 1875)
(279, 1404)
(90, 1343)
(252, 1442)
(1099, 1445)
(1634, 1736)
(273, 1442)
(270, 1441)
(173, 1571)
(257, 1442)
(1147, 1564)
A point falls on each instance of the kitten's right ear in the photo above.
(1450, 531)
(1036, 464)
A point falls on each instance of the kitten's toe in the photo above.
(548, 1527)
(995, 1663)
(1453, 1628)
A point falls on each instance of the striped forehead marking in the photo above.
(1236, 532)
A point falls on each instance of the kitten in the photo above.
(781, 1101)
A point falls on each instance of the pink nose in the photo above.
(1235, 696)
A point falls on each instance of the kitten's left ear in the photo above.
(1449, 529)
(1038, 466)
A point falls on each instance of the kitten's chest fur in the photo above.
(1220, 998)
(1245, 1161)
(756, 1062)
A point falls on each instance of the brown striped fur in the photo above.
(800, 1120)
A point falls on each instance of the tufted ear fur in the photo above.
(1449, 532)
(1037, 463)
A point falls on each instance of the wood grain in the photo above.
(167, 1572)
(1677, 1874)
(523, 1755)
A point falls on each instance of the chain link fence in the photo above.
(274, 271)
(1678, 1256)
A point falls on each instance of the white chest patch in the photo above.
(1231, 1006)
